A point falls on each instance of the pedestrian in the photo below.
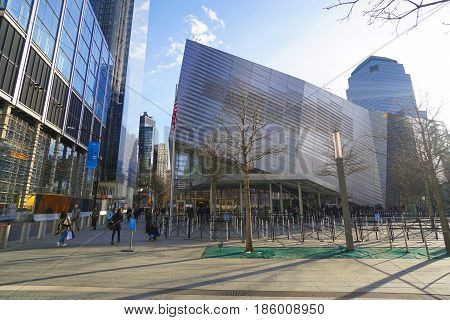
(136, 214)
(116, 225)
(76, 217)
(153, 232)
(129, 214)
(148, 223)
(64, 226)
(94, 216)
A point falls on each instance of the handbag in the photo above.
(69, 235)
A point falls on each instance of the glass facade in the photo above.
(69, 36)
(119, 147)
(381, 84)
(46, 26)
(65, 84)
(303, 115)
(19, 9)
(146, 137)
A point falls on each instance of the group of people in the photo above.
(68, 224)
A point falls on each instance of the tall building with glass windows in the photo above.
(160, 161)
(300, 116)
(146, 139)
(55, 79)
(115, 18)
(381, 84)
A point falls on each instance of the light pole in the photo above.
(338, 154)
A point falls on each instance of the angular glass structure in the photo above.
(381, 84)
(304, 117)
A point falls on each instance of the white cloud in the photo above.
(175, 48)
(138, 51)
(200, 31)
(212, 15)
(163, 67)
(145, 6)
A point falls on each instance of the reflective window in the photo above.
(20, 10)
(46, 27)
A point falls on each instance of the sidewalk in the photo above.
(90, 268)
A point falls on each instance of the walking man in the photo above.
(76, 217)
(95, 215)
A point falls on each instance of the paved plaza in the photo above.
(90, 268)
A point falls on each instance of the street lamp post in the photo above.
(338, 153)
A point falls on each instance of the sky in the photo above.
(297, 37)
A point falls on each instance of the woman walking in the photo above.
(116, 225)
(64, 226)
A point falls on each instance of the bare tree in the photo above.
(432, 143)
(351, 159)
(211, 153)
(388, 10)
(248, 139)
(160, 189)
(406, 180)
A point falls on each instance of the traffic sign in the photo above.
(132, 224)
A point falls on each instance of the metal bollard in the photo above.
(42, 229)
(226, 230)
(55, 226)
(289, 229)
(4, 235)
(25, 234)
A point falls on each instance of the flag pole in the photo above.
(172, 162)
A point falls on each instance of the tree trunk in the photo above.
(441, 211)
(437, 192)
(248, 215)
(429, 202)
(214, 205)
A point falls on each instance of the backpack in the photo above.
(109, 215)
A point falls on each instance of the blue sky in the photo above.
(297, 37)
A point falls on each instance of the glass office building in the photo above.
(55, 76)
(146, 141)
(115, 18)
(381, 84)
(304, 117)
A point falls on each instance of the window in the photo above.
(74, 116)
(86, 127)
(46, 27)
(11, 48)
(374, 68)
(20, 10)
(58, 100)
(35, 83)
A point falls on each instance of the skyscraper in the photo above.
(115, 18)
(160, 161)
(381, 84)
(146, 137)
(54, 96)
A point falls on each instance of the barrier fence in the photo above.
(387, 228)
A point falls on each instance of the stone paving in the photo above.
(90, 268)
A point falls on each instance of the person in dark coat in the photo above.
(116, 225)
(95, 216)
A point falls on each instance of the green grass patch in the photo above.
(322, 253)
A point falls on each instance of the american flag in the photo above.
(174, 114)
